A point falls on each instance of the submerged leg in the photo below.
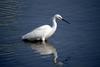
(43, 39)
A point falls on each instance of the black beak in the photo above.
(66, 21)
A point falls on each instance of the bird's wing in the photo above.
(38, 32)
(44, 27)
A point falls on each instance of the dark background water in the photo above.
(80, 40)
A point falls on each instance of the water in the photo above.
(77, 44)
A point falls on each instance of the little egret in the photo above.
(45, 31)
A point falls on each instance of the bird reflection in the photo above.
(45, 48)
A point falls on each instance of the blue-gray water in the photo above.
(77, 44)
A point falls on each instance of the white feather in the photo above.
(38, 32)
(43, 32)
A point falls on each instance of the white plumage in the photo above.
(43, 32)
(38, 33)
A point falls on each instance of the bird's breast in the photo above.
(50, 33)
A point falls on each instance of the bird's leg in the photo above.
(43, 39)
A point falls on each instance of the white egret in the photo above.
(45, 31)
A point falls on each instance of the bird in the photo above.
(45, 31)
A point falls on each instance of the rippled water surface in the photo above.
(74, 45)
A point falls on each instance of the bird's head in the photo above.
(59, 17)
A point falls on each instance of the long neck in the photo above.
(54, 24)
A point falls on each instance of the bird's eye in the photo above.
(59, 17)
